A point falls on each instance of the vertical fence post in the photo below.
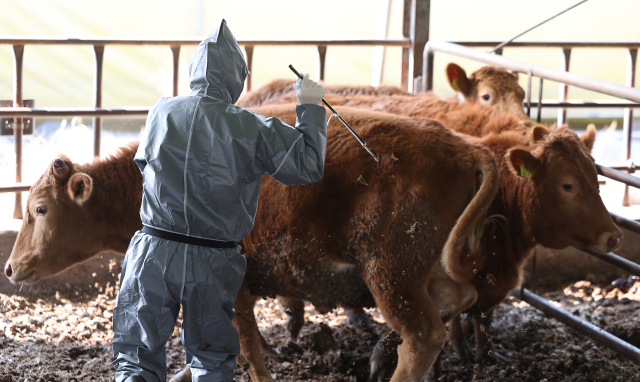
(322, 54)
(419, 34)
(563, 90)
(97, 87)
(406, 27)
(539, 117)
(427, 70)
(249, 52)
(18, 52)
(627, 124)
(175, 52)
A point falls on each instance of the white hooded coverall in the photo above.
(202, 159)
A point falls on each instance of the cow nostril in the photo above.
(8, 271)
(613, 243)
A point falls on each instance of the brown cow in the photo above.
(562, 155)
(74, 211)
(375, 255)
(544, 187)
(489, 86)
(280, 91)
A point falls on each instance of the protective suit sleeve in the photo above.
(298, 153)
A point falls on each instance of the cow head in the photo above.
(55, 230)
(489, 86)
(565, 207)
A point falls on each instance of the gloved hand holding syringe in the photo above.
(362, 142)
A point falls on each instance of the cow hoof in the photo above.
(382, 365)
(183, 376)
(358, 318)
(294, 325)
(464, 353)
(624, 284)
(491, 357)
(384, 357)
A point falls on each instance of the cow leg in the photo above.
(457, 338)
(485, 351)
(250, 338)
(294, 308)
(412, 314)
(359, 318)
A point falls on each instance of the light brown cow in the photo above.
(280, 92)
(489, 86)
(74, 211)
(369, 207)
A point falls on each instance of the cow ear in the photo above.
(538, 132)
(521, 162)
(589, 137)
(60, 169)
(515, 75)
(458, 79)
(80, 187)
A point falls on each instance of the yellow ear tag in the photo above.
(455, 85)
(524, 172)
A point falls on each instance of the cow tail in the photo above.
(462, 257)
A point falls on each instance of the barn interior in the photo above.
(79, 77)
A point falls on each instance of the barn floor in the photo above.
(65, 337)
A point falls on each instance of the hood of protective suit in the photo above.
(217, 68)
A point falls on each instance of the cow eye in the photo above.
(567, 187)
(486, 97)
(41, 210)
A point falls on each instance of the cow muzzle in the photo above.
(13, 272)
(609, 241)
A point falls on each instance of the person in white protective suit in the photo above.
(202, 159)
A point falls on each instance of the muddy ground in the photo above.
(66, 337)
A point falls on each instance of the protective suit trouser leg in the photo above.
(146, 308)
(211, 342)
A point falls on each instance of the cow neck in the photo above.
(117, 183)
(507, 243)
(518, 203)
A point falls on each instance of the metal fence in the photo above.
(565, 79)
(18, 112)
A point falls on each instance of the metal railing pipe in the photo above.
(539, 116)
(550, 44)
(180, 41)
(536, 70)
(17, 187)
(615, 260)
(627, 224)
(581, 326)
(249, 52)
(97, 88)
(18, 123)
(54, 112)
(627, 124)
(618, 175)
(578, 104)
(322, 56)
(563, 90)
(175, 54)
